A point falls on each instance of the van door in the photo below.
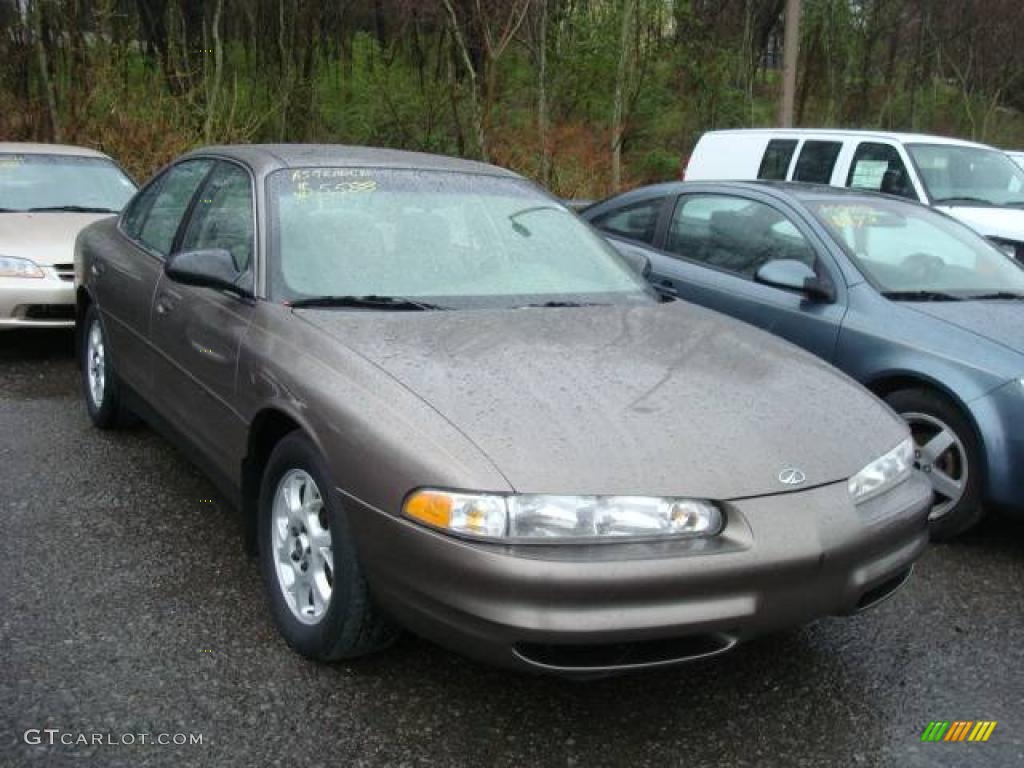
(817, 161)
(879, 166)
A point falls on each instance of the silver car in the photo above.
(48, 194)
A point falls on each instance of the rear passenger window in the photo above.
(635, 222)
(775, 162)
(878, 167)
(816, 161)
(137, 209)
(172, 200)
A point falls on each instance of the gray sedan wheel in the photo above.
(315, 586)
(948, 452)
(100, 385)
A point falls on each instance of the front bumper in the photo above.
(46, 302)
(581, 610)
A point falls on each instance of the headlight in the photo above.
(12, 267)
(541, 517)
(884, 473)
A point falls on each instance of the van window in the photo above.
(878, 167)
(735, 234)
(775, 162)
(635, 222)
(816, 161)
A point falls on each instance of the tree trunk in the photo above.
(618, 114)
(45, 80)
(542, 94)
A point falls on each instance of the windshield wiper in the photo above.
(921, 296)
(364, 302)
(562, 304)
(1008, 295)
(963, 199)
(71, 209)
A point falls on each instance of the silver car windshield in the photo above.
(53, 182)
(450, 239)
(957, 175)
(908, 249)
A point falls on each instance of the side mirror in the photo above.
(207, 268)
(793, 275)
(637, 260)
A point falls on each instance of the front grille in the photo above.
(50, 312)
(65, 272)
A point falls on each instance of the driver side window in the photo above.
(735, 234)
(222, 218)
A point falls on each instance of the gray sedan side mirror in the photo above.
(636, 259)
(794, 275)
(208, 268)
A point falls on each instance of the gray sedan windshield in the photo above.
(908, 249)
(958, 175)
(452, 239)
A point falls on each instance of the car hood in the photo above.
(1007, 223)
(667, 399)
(44, 237)
(1001, 322)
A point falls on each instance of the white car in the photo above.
(973, 182)
(48, 194)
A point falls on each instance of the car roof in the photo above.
(31, 148)
(906, 138)
(265, 158)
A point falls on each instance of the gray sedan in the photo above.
(443, 403)
(915, 305)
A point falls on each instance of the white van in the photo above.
(976, 183)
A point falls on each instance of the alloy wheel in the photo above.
(95, 361)
(301, 543)
(940, 454)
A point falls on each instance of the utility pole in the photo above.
(791, 43)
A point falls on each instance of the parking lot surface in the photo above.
(128, 607)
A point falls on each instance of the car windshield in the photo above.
(957, 175)
(438, 238)
(34, 181)
(909, 250)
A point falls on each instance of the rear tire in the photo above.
(100, 385)
(948, 451)
(315, 587)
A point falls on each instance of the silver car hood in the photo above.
(44, 237)
(665, 399)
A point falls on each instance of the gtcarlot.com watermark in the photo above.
(55, 736)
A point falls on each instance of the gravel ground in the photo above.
(128, 607)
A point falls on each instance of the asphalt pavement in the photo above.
(128, 613)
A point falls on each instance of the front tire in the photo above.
(947, 450)
(315, 587)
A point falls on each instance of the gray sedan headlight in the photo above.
(11, 266)
(570, 518)
(883, 473)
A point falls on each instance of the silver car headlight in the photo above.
(11, 266)
(571, 518)
(883, 473)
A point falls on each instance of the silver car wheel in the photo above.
(95, 360)
(941, 455)
(301, 543)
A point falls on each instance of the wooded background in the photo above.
(586, 96)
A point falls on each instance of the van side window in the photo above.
(635, 222)
(878, 167)
(816, 161)
(775, 162)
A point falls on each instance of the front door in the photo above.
(717, 244)
(197, 332)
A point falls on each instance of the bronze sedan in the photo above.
(444, 403)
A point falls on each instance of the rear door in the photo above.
(816, 162)
(197, 332)
(124, 276)
(714, 245)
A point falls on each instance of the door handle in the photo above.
(666, 286)
(98, 268)
(163, 307)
